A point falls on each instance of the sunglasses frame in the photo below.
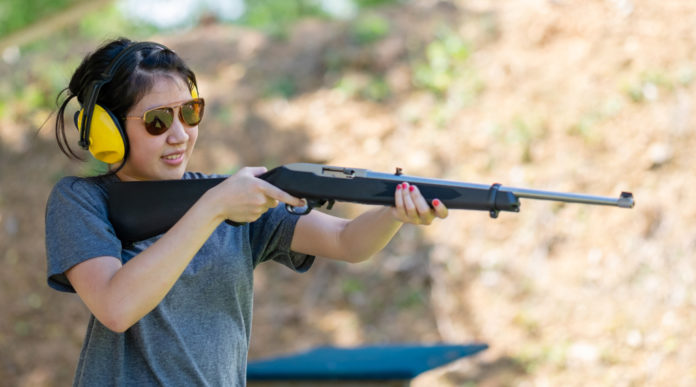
(171, 109)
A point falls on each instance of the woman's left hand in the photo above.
(411, 207)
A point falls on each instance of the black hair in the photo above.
(134, 77)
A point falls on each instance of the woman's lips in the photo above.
(173, 158)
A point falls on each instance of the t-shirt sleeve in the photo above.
(77, 228)
(271, 236)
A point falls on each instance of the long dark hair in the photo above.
(133, 78)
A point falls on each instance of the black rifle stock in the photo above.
(140, 210)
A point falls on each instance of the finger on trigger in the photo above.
(276, 193)
(256, 171)
(271, 203)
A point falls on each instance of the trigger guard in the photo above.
(304, 210)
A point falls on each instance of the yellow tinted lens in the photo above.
(192, 112)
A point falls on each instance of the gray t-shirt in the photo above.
(199, 334)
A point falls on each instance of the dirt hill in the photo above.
(567, 95)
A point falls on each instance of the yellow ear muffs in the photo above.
(106, 139)
(100, 132)
(99, 129)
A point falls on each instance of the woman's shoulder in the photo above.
(94, 186)
(76, 182)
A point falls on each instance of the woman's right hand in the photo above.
(243, 197)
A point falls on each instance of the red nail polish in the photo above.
(411, 188)
(436, 203)
(398, 186)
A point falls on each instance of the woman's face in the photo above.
(165, 156)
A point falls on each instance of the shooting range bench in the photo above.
(369, 366)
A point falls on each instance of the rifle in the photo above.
(140, 210)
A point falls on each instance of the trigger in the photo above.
(304, 210)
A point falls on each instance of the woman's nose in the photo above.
(177, 132)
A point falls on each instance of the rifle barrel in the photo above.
(625, 200)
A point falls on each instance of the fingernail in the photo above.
(436, 202)
(411, 188)
(405, 185)
(398, 186)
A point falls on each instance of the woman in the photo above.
(176, 309)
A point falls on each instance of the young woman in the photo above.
(176, 309)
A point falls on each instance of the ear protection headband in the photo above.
(100, 131)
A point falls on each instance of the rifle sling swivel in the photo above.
(492, 195)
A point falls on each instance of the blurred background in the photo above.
(588, 96)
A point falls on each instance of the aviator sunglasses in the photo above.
(159, 120)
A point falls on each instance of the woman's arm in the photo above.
(358, 239)
(120, 295)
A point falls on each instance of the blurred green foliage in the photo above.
(445, 59)
(94, 167)
(375, 3)
(377, 90)
(650, 83)
(285, 87)
(373, 88)
(111, 22)
(15, 14)
(413, 297)
(353, 285)
(588, 124)
(524, 131)
(369, 28)
(274, 17)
